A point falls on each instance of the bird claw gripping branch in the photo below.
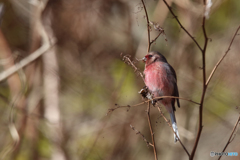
(146, 94)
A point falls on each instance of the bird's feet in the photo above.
(144, 92)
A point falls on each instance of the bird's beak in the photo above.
(144, 59)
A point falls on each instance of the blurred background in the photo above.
(55, 108)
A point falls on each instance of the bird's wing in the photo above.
(175, 91)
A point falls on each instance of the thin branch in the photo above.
(200, 126)
(148, 26)
(173, 130)
(154, 40)
(113, 109)
(177, 98)
(143, 137)
(157, 27)
(170, 9)
(138, 104)
(128, 61)
(232, 136)
(26, 61)
(151, 131)
(219, 62)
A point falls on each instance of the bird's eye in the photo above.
(149, 56)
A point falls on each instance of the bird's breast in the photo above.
(157, 79)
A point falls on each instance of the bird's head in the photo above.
(152, 57)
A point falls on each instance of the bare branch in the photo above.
(143, 137)
(185, 30)
(157, 27)
(173, 130)
(128, 61)
(177, 98)
(232, 136)
(148, 26)
(26, 61)
(219, 62)
(200, 126)
(113, 109)
(151, 131)
(138, 104)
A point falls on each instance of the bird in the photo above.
(161, 80)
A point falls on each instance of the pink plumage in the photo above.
(161, 80)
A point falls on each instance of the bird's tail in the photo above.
(174, 126)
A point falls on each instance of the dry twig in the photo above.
(148, 26)
(185, 30)
(200, 126)
(151, 131)
(143, 137)
(127, 60)
(173, 130)
(146, 101)
(232, 136)
(26, 61)
(155, 25)
(218, 63)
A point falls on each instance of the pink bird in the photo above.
(161, 80)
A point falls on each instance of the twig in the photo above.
(138, 132)
(128, 61)
(200, 126)
(232, 136)
(138, 104)
(169, 8)
(26, 61)
(173, 131)
(157, 27)
(112, 109)
(160, 32)
(151, 131)
(177, 98)
(148, 26)
(218, 63)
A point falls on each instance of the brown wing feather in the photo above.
(175, 91)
